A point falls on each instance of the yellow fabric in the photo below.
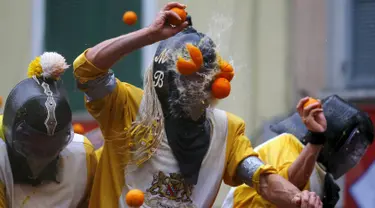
(238, 148)
(114, 112)
(280, 152)
(117, 111)
(98, 153)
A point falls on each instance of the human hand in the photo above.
(312, 116)
(307, 199)
(160, 29)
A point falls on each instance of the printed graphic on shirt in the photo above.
(169, 191)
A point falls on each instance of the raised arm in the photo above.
(301, 169)
(112, 103)
(108, 52)
(244, 166)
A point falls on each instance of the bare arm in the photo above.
(273, 187)
(108, 52)
(313, 117)
(300, 170)
(277, 190)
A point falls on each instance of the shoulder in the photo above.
(131, 89)
(236, 125)
(231, 118)
(234, 119)
(80, 145)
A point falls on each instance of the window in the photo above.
(72, 26)
(362, 68)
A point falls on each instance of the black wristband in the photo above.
(317, 138)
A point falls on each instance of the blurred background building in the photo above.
(282, 50)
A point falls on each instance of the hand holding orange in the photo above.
(310, 102)
(181, 13)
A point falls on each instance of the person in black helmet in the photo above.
(43, 163)
(168, 140)
(312, 162)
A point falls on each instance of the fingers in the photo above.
(297, 200)
(300, 105)
(171, 5)
(307, 111)
(305, 199)
(312, 200)
(170, 13)
(315, 111)
(181, 27)
(318, 202)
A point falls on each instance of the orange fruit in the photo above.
(129, 17)
(221, 88)
(225, 66)
(310, 102)
(135, 198)
(180, 12)
(1, 101)
(78, 128)
(186, 67)
(195, 54)
(227, 71)
(227, 75)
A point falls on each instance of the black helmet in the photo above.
(166, 77)
(37, 120)
(349, 133)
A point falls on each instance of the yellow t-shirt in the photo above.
(280, 152)
(117, 110)
(78, 165)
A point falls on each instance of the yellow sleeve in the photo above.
(3, 201)
(116, 110)
(239, 148)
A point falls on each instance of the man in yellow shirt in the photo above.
(310, 165)
(43, 163)
(168, 140)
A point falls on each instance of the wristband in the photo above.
(317, 138)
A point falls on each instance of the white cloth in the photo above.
(160, 180)
(66, 194)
